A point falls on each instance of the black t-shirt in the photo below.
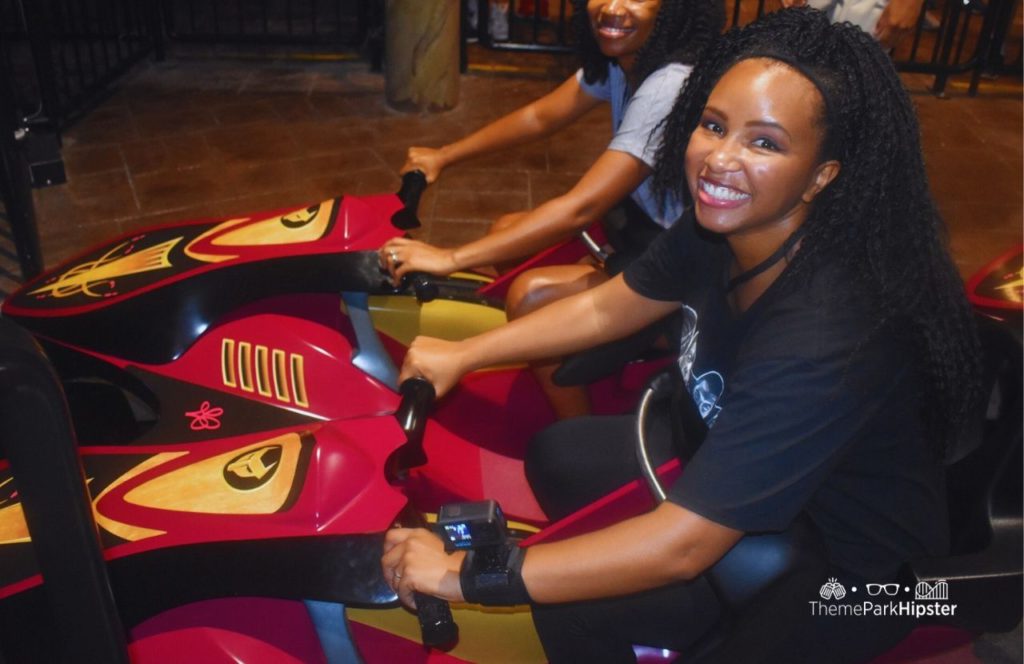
(812, 407)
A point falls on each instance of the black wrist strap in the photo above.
(494, 585)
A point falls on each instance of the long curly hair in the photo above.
(682, 30)
(877, 216)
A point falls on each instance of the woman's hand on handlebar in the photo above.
(400, 256)
(429, 160)
(439, 362)
(414, 561)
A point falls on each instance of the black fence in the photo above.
(61, 53)
(333, 23)
(520, 25)
(950, 36)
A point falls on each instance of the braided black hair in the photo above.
(878, 215)
(682, 30)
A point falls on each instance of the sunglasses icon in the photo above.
(888, 588)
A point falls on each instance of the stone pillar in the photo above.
(422, 54)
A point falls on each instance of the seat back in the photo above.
(39, 443)
(984, 490)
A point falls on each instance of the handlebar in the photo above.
(417, 400)
(437, 627)
(413, 185)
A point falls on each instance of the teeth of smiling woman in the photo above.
(722, 193)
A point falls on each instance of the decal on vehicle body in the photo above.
(270, 372)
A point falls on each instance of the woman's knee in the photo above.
(538, 287)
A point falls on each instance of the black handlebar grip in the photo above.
(413, 185)
(423, 285)
(437, 626)
(417, 399)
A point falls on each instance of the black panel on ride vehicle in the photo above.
(188, 307)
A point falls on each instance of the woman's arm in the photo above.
(666, 545)
(612, 177)
(604, 313)
(537, 119)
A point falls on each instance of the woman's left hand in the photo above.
(401, 255)
(414, 560)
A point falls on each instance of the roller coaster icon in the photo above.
(932, 591)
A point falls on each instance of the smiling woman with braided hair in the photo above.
(828, 345)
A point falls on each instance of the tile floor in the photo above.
(202, 135)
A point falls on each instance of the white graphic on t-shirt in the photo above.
(706, 388)
(688, 344)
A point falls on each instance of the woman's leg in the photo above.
(572, 463)
(672, 617)
(536, 288)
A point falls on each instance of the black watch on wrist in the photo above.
(491, 572)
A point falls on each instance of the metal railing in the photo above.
(520, 25)
(343, 23)
(950, 37)
(63, 53)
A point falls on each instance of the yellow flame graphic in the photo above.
(82, 278)
(1013, 290)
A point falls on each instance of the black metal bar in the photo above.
(109, 30)
(77, 52)
(939, 87)
(963, 37)
(15, 182)
(92, 43)
(987, 41)
(40, 445)
(561, 22)
(123, 27)
(463, 36)
(36, 23)
(918, 31)
(483, 23)
(155, 28)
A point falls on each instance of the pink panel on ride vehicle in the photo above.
(477, 437)
(376, 645)
(246, 629)
(287, 362)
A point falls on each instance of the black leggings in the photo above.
(570, 464)
(574, 462)
(672, 617)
